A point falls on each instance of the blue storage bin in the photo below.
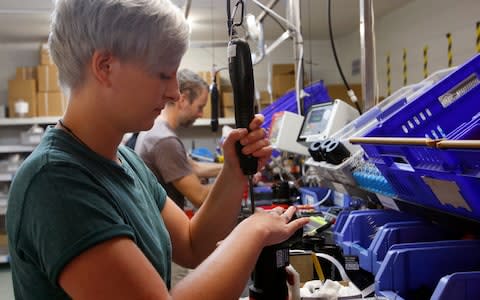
(398, 233)
(361, 226)
(440, 109)
(317, 93)
(458, 286)
(314, 195)
(339, 223)
(448, 109)
(409, 268)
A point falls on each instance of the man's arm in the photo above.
(191, 187)
(202, 169)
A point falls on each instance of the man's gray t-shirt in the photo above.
(164, 153)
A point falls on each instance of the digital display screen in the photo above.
(316, 120)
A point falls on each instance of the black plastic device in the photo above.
(241, 77)
(214, 103)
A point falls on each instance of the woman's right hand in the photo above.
(274, 226)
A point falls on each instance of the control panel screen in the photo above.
(316, 120)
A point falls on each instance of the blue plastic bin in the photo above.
(398, 233)
(448, 109)
(409, 268)
(339, 224)
(458, 286)
(317, 93)
(361, 227)
(313, 195)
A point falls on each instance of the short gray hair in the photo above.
(190, 84)
(151, 32)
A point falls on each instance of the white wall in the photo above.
(420, 23)
(202, 59)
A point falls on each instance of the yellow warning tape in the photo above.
(389, 78)
(425, 62)
(405, 78)
(478, 37)
(450, 55)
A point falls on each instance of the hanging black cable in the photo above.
(229, 18)
(332, 42)
(310, 43)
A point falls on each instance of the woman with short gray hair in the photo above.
(86, 219)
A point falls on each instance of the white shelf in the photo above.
(16, 148)
(53, 120)
(28, 121)
(221, 121)
(5, 177)
(4, 259)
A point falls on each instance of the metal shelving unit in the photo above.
(16, 148)
(28, 121)
(5, 177)
(53, 120)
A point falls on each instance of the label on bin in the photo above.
(351, 263)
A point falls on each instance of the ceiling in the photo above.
(27, 20)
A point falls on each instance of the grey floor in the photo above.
(6, 289)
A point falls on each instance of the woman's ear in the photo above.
(101, 66)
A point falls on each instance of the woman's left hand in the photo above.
(254, 143)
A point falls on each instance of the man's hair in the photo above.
(190, 84)
(153, 33)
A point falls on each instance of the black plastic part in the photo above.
(241, 77)
(214, 103)
(315, 151)
(270, 276)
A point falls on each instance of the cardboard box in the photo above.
(45, 58)
(3, 241)
(265, 98)
(227, 98)
(19, 90)
(339, 91)
(48, 78)
(229, 112)
(303, 264)
(207, 76)
(51, 104)
(26, 73)
(283, 79)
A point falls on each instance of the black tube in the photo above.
(229, 18)
(332, 42)
(214, 104)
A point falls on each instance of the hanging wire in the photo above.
(332, 42)
(213, 39)
(310, 42)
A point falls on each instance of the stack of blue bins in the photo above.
(443, 179)
(355, 233)
(418, 270)
(316, 93)
(398, 233)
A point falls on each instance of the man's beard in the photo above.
(187, 123)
